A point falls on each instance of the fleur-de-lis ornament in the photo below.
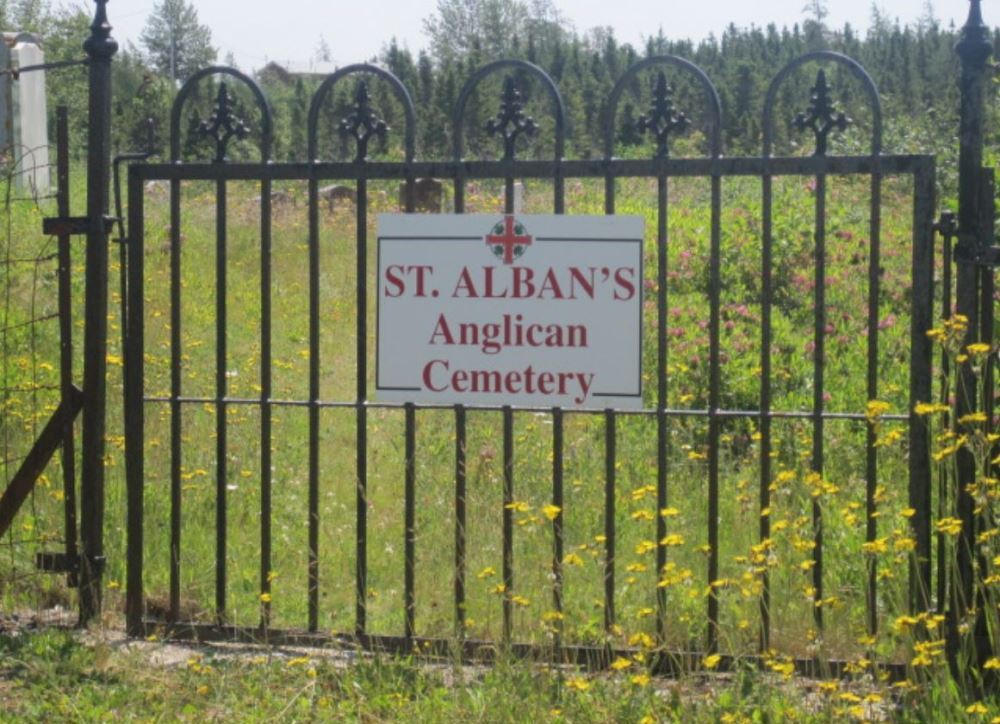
(822, 117)
(362, 123)
(223, 124)
(511, 121)
(662, 119)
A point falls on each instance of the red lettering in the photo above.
(489, 293)
(524, 286)
(442, 330)
(396, 281)
(576, 276)
(512, 381)
(428, 380)
(545, 380)
(551, 285)
(420, 269)
(625, 279)
(465, 282)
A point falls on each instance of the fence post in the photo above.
(100, 47)
(973, 49)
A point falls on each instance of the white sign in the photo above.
(483, 309)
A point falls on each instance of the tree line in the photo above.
(914, 67)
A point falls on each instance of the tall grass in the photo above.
(786, 557)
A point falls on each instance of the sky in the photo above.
(356, 30)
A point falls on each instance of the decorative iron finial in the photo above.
(660, 119)
(223, 124)
(100, 44)
(362, 123)
(822, 116)
(974, 45)
(510, 121)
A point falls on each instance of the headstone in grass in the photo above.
(24, 140)
(335, 193)
(428, 195)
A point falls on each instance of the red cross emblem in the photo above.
(508, 239)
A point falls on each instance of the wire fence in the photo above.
(31, 335)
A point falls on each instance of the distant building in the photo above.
(290, 71)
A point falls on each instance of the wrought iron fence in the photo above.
(181, 400)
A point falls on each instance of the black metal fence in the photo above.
(179, 404)
(224, 276)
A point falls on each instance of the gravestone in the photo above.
(336, 192)
(518, 197)
(23, 119)
(428, 195)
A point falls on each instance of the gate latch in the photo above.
(968, 251)
(70, 225)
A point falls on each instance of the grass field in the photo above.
(786, 557)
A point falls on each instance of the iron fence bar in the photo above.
(460, 471)
(944, 471)
(559, 189)
(176, 389)
(646, 412)
(557, 527)
(508, 522)
(609, 193)
(65, 271)
(610, 452)
(54, 65)
(221, 384)
(265, 406)
(714, 402)
(22, 325)
(887, 165)
(314, 408)
(819, 359)
(984, 642)
(361, 395)
(670, 663)
(134, 412)
(871, 385)
(559, 207)
(409, 521)
(974, 49)
(100, 47)
(921, 350)
(662, 431)
(765, 416)
(987, 301)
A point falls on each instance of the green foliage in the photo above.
(913, 66)
(176, 43)
(60, 675)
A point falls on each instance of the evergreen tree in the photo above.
(176, 44)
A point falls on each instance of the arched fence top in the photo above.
(510, 122)
(223, 124)
(661, 119)
(821, 117)
(362, 123)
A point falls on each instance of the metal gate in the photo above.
(156, 245)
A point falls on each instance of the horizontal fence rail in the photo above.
(509, 458)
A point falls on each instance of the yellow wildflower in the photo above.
(950, 526)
